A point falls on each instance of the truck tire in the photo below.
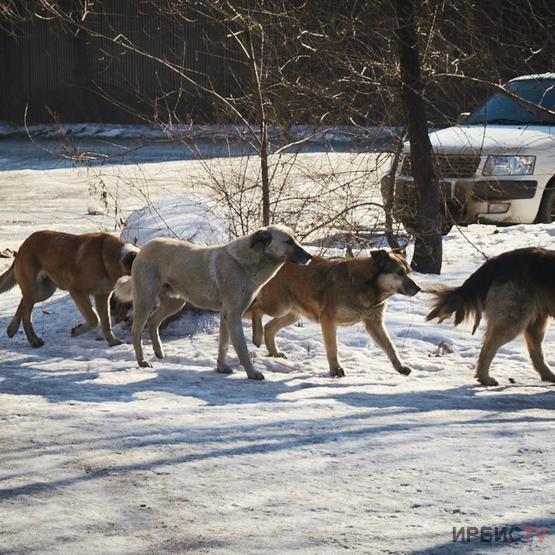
(446, 227)
(546, 213)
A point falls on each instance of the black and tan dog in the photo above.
(516, 292)
(337, 292)
(87, 264)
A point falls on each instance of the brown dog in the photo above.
(88, 264)
(339, 292)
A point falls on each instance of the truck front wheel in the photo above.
(546, 213)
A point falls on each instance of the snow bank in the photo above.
(189, 217)
(339, 134)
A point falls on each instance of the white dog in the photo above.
(225, 278)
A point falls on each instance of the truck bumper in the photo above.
(507, 200)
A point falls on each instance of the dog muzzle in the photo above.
(300, 256)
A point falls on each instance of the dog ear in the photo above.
(261, 238)
(381, 257)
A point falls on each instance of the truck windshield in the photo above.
(503, 110)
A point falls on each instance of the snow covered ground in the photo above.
(100, 456)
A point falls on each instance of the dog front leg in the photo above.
(378, 333)
(235, 327)
(329, 333)
(102, 302)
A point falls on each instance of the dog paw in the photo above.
(78, 329)
(405, 370)
(145, 364)
(488, 381)
(277, 354)
(256, 375)
(114, 342)
(550, 378)
(224, 369)
(337, 372)
(11, 331)
(36, 342)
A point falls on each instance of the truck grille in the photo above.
(448, 165)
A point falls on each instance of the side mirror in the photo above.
(462, 117)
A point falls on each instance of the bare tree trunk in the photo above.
(264, 147)
(264, 172)
(428, 242)
(387, 186)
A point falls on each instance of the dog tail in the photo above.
(467, 301)
(455, 300)
(123, 289)
(7, 279)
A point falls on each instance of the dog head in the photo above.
(393, 273)
(278, 243)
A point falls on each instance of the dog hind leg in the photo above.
(329, 333)
(257, 328)
(167, 307)
(25, 309)
(41, 289)
(534, 335)
(145, 290)
(497, 334)
(102, 303)
(44, 288)
(15, 323)
(35, 287)
(271, 329)
(508, 313)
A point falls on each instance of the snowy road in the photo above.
(99, 456)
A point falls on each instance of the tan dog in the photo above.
(88, 264)
(338, 292)
(516, 293)
(225, 278)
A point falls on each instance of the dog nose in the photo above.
(410, 287)
(306, 256)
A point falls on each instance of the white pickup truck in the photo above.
(498, 166)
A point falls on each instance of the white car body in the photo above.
(485, 198)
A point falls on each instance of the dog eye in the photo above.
(290, 242)
(400, 273)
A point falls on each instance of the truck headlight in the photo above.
(509, 165)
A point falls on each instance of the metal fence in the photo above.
(76, 77)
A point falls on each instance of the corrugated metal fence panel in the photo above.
(91, 78)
